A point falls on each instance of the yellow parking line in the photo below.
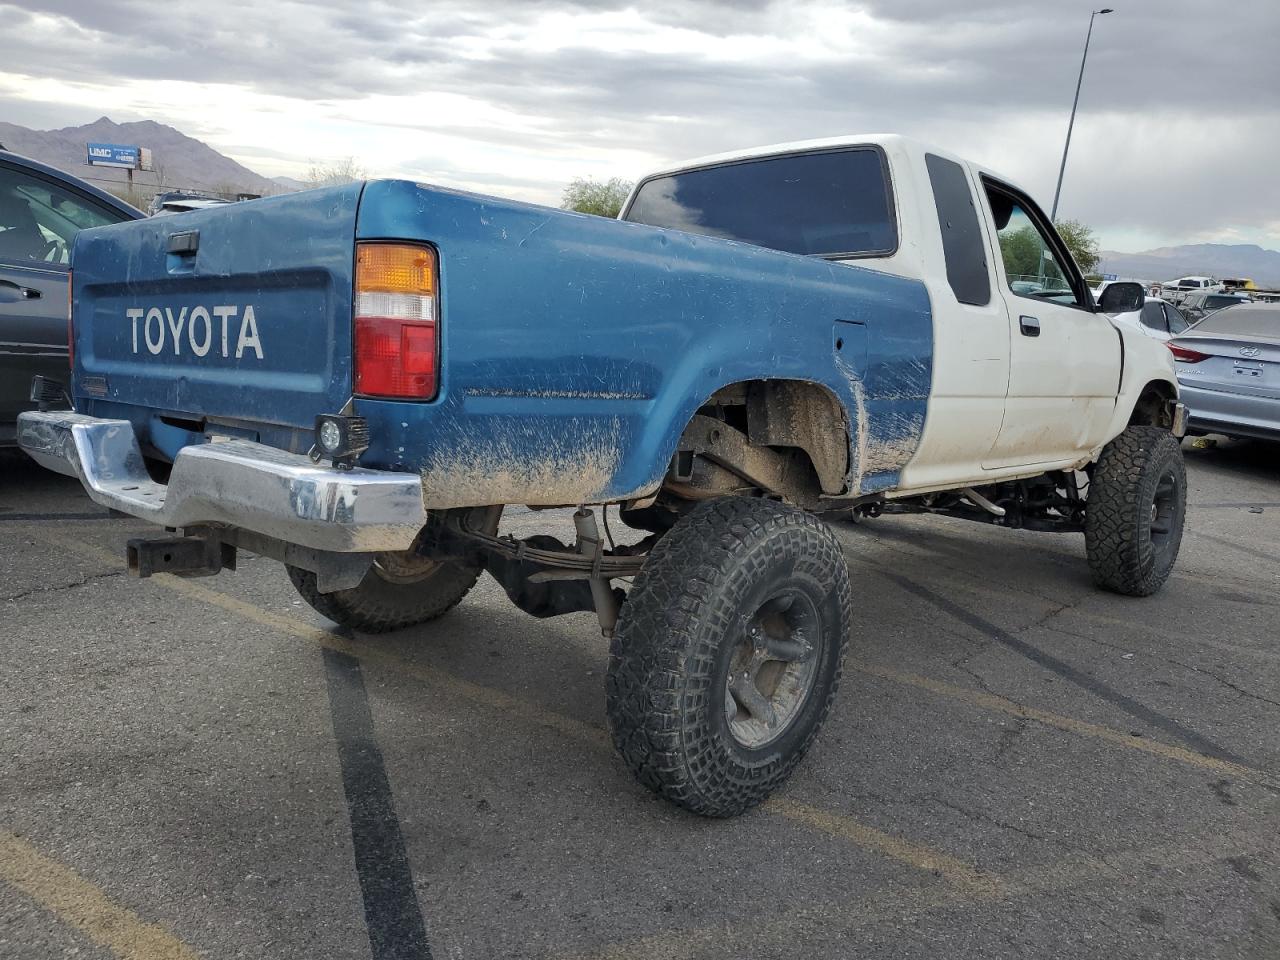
(917, 855)
(989, 701)
(76, 901)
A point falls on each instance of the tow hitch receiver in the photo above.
(196, 556)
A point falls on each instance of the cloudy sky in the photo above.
(1177, 140)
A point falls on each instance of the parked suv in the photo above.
(41, 211)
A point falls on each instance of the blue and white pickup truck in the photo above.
(357, 380)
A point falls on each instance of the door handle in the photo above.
(11, 293)
(1029, 326)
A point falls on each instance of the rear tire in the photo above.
(1135, 512)
(728, 653)
(400, 590)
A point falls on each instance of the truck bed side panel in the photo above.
(575, 349)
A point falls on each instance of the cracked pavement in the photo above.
(179, 755)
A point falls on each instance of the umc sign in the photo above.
(113, 155)
(116, 155)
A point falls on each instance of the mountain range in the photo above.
(1205, 259)
(183, 161)
(180, 161)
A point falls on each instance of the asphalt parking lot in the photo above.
(1018, 765)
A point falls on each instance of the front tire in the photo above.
(728, 653)
(1136, 510)
(400, 590)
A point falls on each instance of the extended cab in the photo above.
(357, 380)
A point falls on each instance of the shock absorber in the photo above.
(590, 545)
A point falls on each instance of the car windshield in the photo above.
(819, 204)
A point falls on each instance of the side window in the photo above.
(1177, 322)
(962, 244)
(1030, 264)
(39, 219)
(837, 204)
(1153, 316)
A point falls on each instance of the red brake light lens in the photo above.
(395, 358)
(1183, 355)
(396, 322)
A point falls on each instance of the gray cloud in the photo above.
(1176, 138)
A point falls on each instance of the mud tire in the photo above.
(1138, 487)
(379, 604)
(684, 618)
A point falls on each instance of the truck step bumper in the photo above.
(233, 482)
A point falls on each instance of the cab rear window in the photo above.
(835, 204)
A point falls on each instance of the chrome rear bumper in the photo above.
(233, 482)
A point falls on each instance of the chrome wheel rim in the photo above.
(772, 669)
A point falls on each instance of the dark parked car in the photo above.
(1229, 371)
(41, 211)
(1200, 303)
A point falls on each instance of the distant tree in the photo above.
(1082, 243)
(334, 173)
(1021, 251)
(586, 195)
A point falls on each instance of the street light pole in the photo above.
(1074, 103)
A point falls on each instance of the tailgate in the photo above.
(252, 325)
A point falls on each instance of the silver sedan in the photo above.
(1229, 371)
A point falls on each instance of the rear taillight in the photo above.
(1183, 355)
(396, 321)
(71, 330)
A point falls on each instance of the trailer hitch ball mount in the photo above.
(191, 556)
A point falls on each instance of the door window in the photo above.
(1031, 265)
(1153, 316)
(1177, 322)
(39, 219)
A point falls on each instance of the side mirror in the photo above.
(1122, 298)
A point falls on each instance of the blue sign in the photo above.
(113, 155)
(1110, 276)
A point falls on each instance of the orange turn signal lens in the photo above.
(395, 268)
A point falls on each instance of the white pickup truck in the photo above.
(1175, 291)
(356, 380)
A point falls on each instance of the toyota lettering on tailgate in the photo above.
(198, 330)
